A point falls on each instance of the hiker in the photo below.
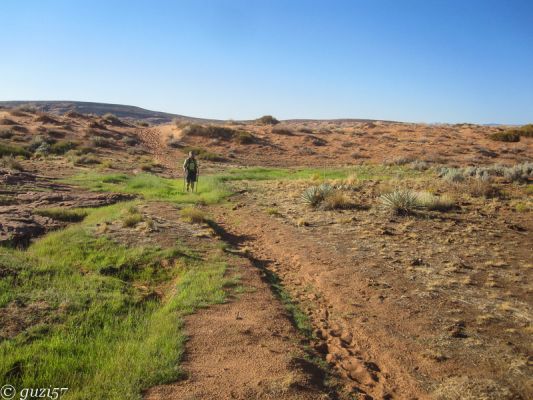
(190, 169)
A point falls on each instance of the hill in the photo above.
(121, 111)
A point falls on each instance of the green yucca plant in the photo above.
(314, 195)
(400, 201)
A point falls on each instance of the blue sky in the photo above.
(408, 60)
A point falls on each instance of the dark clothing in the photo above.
(191, 176)
(191, 169)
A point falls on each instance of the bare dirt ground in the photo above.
(404, 307)
(244, 349)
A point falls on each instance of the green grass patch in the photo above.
(102, 333)
(360, 172)
(153, 187)
(63, 214)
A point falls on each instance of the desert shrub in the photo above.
(46, 119)
(95, 125)
(142, 123)
(511, 135)
(244, 137)
(7, 121)
(74, 114)
(6, 134)
(62, 147)
(13, 150)
(305, 130)
(282, 131)
(435, 203)
(86, 160)
(37, 141)
(203, 154)
(401, 160)
(519, 173)
(131, 220)
(314, 195)
(526, 130)
(10, 162)
(62, 214)
(336, 200)
(418, 165)
(453, 175)
(100, 141)
(43, 149)
(112, 119)
(130, 141)
(479, 188)
(193, 215)
(267, 120)
(403, 201)
(315, 140)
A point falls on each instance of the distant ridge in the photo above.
(122, 111)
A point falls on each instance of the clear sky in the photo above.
(408, 60)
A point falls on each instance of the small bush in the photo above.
(193, 215)
(511, 135)
(244, 137)
(267, 120)
(11, 162)
(74, 114)
(130, 141)
(400, 202)
(46, 119)
(6, 134)
(435, 203)
(12, 150)
(203, 154)
(100, 141)
(418, 165)
(86, 160)
(62, 214)
(62, 147)
(112, 119)
(337, 200)
(305, 130)
(131, 217)
(453, 175)
(480, 188)
(526, 131)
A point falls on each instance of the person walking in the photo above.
(190, 169)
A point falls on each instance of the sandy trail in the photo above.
(244, 349)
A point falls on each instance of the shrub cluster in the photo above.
(267, 120)
(513, 134)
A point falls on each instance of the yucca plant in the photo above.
(314, 195)
(400, 201)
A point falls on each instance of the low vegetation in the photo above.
(401, 201)
(193, 215)
(267, 120)
(513, 134)
(217, 132)
(100, 311)
(210, 189)
(63, 214)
